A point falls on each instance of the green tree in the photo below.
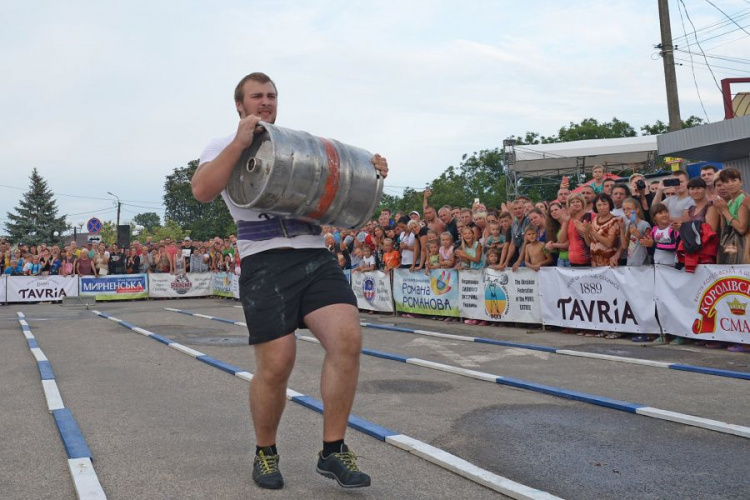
(662, 128)
(480, 175)
(35, 219)
(589, 128)
(149, 220)
(202, 220)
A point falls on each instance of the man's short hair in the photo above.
(709, 167)
(403, 220)
(239, 90)
(620, 186)
(681, 173)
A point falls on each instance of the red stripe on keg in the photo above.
(332, 182)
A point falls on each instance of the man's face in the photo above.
(456, 213)
(708, 176)
(429, 214)
(588, 194)
(466, 218)
(682, 188)
(259, 99)
(618, 195)
(517, 209)
(607, 187)
(562, 195)
(445, 215)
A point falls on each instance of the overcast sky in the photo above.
(112, 96)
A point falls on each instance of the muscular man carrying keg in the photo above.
(291, 280)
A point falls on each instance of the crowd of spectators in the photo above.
(606, 221)
(99, 259)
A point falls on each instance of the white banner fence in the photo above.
(709, 304)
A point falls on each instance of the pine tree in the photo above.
(36, 220)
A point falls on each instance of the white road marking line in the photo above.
(619, 359)
(190, 352)
(468, 470)
(706, 423)
(85, 480)
(38, 354)
(52, 394)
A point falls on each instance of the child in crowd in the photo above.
(433, 257)
(368, 260)
(391, 256)
(534, 254)
(12, 269)
(635, 230)
(496, 240)
(55, 265)
(492, 260)
(663, 238)
(447, 251)
(597, 183)
(470, 252)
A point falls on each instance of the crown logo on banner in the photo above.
(737, 308)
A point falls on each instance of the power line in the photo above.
(687, 14)
(715, 26)
(78, 196)
(727, 16)
(729, 71)
(692, 67)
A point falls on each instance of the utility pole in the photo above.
(670, 78)
(118, 207)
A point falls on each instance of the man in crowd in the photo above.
(315, 294)
(562, 195)
(708, 174)
(446, 217)
(518, 226)
(681, 200)
(619, 193)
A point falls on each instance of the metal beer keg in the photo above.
(294, 174)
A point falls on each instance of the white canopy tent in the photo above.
(578, 157)
(550, 161)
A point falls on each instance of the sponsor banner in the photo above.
(163, 285)
(435, 294)
(373, 291)
(236, 286)
(115, 287)
(40, 288)
(222, 285)
(619, 299)
(710, 304)
(491, 295)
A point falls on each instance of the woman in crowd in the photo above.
(469, 254)
(703, 210)
(554, 223)
(84, 265)
(733, 247)
(480, 221)
(101, 261)
(578, 250)
(67, 263)
(538, 220)
(603, 233)
(636, 229)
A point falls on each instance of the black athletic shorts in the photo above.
(278, 288)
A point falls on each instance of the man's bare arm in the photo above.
(212, 177)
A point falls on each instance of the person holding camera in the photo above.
(639, 191)
(681, 201)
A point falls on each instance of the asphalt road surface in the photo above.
(162, 425)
